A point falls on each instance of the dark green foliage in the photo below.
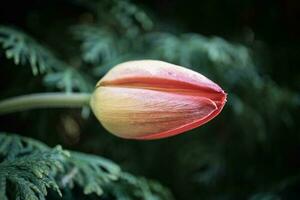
(24, 50)
(91, 172)
(28, 177)
(28, 169)
(250, 151)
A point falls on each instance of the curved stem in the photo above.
(44, 100)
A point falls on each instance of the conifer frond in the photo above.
(131, 17)
(25, 50)
(11, 146)
(69, 79)
(98, 45)
(90, 172)
(29, 168)
(130, 187)
(122, 14)
(30, 176)
(102, 47)
(188, 49)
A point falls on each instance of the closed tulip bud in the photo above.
(151, 99)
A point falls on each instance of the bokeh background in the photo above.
(250, 48)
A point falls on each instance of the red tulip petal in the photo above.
(183, 128)
(153, 72)
(149, 114)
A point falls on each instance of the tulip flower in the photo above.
(151, 99)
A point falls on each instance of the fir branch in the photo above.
(98, 45)
(131, 17)
(130, 187)
(33, 168)
(102, 47)
(69, 79)
(122, 14)
(90, 172)
(25, 50)
(30, 176)
(191, 48)
(11, 146)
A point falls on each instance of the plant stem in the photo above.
(44, 100)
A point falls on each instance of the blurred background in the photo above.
(250, 48)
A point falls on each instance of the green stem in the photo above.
(44, 100)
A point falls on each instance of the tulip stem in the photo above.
(44, 100)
